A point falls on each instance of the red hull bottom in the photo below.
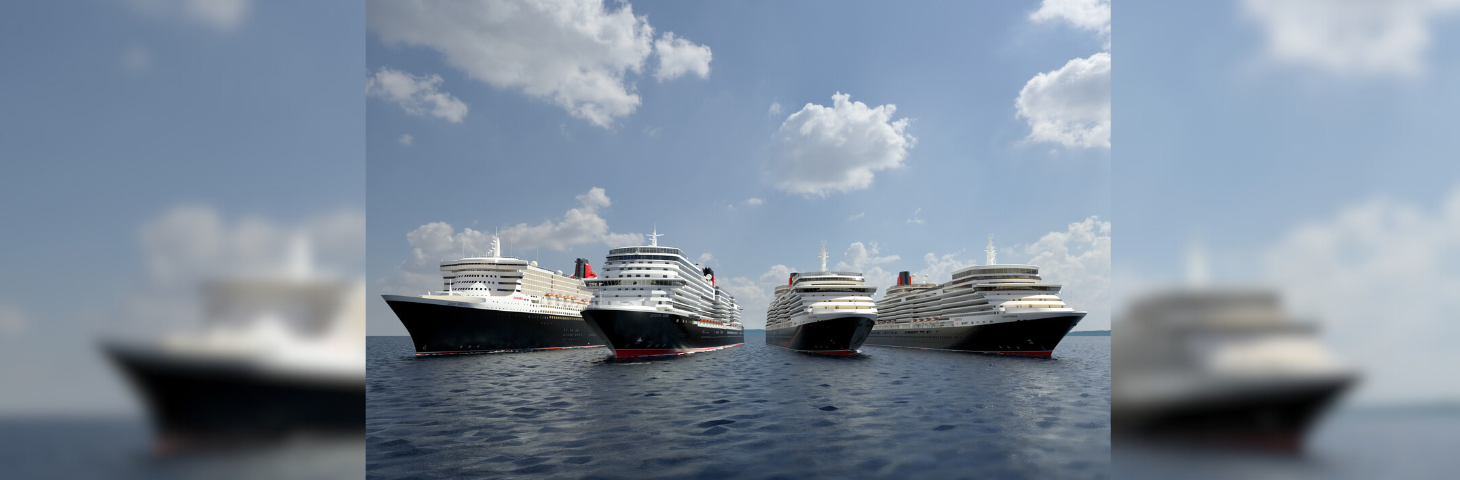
(1031, 353)
(655, 352)
(501, 351)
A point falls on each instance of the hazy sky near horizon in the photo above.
(747, 133)
(1307, 147)
(148, 146)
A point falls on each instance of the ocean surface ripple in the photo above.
(753, 411)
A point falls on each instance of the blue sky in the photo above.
(1308, 146)
(120, 115)
(695, 150)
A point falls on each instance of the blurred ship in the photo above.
(653, 301)
(822, 312)
(988, 308)
(1222, 367)
(496, 303)
(280, 355)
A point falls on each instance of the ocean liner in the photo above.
(277, 355)
(822, 312)
(989, 308)
(652, 300)
(1220, 366)
(496, 303)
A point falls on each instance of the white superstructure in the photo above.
(977, 295)
(652, 278)
(814, 296)
(509, 283)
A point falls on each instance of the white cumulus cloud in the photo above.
(1379, 276)
(678, 56)
(860, 256)
(417, 95)
(754, 201)
(573, 53)
(222, 15)
(856, 216)
(188, 245)
(863, 258)
(433, 242)
(1069, 106)
(915, 219)
(406, 139)
(1091, 15)
(775, 110)
(1079, 259)
(1362, 37)
(755, 295)
(821, 150)
(578, 226)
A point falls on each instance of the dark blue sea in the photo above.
(121, 447)
(753, 411)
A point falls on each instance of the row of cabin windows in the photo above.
(987, 271)
(448, 287)
(671, 251)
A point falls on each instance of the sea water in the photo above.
(752, 411)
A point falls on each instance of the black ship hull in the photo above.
(1034, 337)
(633, 334)
(836, 336)
(194, 398)
(438, 327)
(1275, 416)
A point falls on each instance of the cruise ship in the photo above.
(274, 355)
(822, 312)
(1222, 367)
(989, 308)
(652, 301)
(496, 303)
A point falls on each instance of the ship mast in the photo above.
(654, 238)
(990, 250)
(823, 255)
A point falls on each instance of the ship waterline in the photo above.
(652, 301)
(1034, 335)
(833, 336)
(448, 327)
(632, 334)
(822, 312)
(991, 308)
(493, 303)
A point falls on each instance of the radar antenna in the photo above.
(990, 250)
